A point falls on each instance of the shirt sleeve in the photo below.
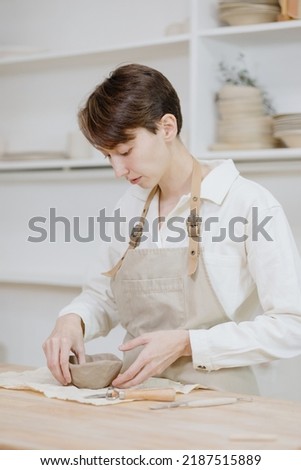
(276, 334)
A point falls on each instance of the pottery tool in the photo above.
(155, 394)
(200, 403)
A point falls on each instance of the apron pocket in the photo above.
(151, 304)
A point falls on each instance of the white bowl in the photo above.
(220, 146)
(287, 127)
(246, 100)
(247, 136)
(276, 116)
(238, 115)
(239, 107)
(290, 138)
(239, 92)
(261, 124)
(291, 117)
(239, 2)
(252, 7)
(247, 17)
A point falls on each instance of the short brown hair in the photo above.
(132, 96)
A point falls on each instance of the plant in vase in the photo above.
(244, 110)
(239, 76)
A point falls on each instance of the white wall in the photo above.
(38, 279)
(28, 314)
(72, 194)
(80, 24)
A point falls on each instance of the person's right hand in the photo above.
(67, 336)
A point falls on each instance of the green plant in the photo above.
(239, 75)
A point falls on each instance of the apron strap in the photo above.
(136, 233)
(193, 221)
(193, 224)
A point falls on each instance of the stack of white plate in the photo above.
(242, 12)
(242, 121)
(287, 128)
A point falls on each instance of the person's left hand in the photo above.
(161, 349)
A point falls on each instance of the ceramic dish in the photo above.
(98, 372)
(290, 138)
(244, 18)
(240, 2)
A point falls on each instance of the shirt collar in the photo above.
(215, 185)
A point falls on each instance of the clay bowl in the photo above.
(98, 372)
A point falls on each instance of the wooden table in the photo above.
(28, 420)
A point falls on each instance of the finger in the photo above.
(52, 353)
(129, 374)
(134, 343)
(81, 355)
(144, 374)
(64, 361)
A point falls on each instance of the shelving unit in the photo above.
(190, 60)
(40, 93)
(64, 164)
(264, 155)
(265, 28)
(271, 53)
(167, 44)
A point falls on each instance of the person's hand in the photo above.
(67, 336)
(161, 349)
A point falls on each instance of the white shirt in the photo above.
(246, 254)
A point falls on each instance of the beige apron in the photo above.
(169, 288)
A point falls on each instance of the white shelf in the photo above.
(283, 154)
(67, 281)
(165, 42)
(286, 154)
(251, 29)
(53, 164)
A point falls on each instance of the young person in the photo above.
(207, 284)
